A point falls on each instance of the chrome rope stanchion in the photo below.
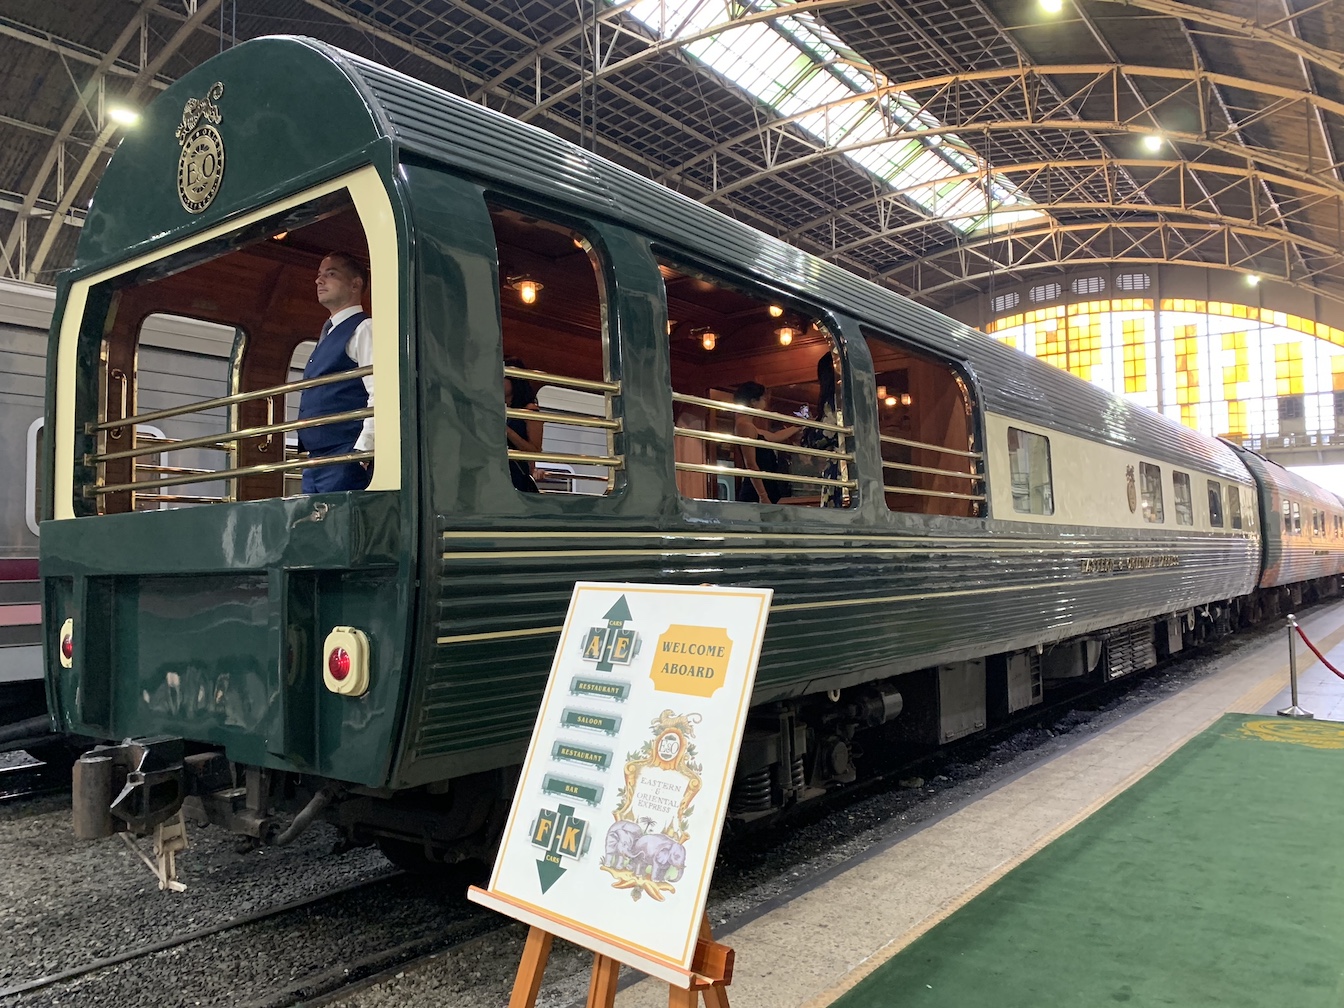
(1294, 710)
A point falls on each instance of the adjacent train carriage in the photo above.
(1303, 537)
(948, 525)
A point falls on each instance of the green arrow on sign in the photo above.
(549, 871)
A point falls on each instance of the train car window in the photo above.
(1297, 518)
(1150, 485)
(931, 463)
(561, 399)
(760, 404)
(1287, 518)
(199, 344)
(1029, 466)
(1234, 505)
(1215, 504)
(32, 511)
(1184, 501)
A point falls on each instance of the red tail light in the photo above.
(345, 656)
(66, 644)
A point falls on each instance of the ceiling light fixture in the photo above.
(526, 287)
(776, 311)
(786, 333)
(123, 115)
(1152, 143)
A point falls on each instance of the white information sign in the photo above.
(615, 825)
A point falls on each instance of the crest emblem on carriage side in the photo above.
(200, 169)
(1131, 491)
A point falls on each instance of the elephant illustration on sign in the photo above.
(658, 856)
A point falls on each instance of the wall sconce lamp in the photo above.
(526, 287)
(709, 339)
(776, 311)
(786, 333)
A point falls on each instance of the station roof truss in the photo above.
(930, 145)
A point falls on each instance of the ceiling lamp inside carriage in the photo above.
(526, 287)
(798, 67)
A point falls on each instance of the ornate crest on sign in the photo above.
(1131, 491)
(200, 169)
(645, 848)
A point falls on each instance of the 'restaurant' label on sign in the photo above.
(615, 825)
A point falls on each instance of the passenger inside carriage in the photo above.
(754, 395)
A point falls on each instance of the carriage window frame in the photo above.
(1031, 448)
(371, 202)
(565, 391)
(1182, 498)
(821, 477)
(1150, 493)
(1215, 504)
(1234, 505)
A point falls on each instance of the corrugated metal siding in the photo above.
(488, 144)
(840, 606)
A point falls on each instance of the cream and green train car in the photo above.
(957, 526)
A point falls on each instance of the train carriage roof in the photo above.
(295, 111)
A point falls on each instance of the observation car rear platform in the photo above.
(874, 931)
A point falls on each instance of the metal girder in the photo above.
(1064, 179)
(203, 9)
(1246, 28)
(57, 149)
(1211, 246)
(941, 97)
(9, 28)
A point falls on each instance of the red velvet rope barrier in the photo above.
(1322, 657)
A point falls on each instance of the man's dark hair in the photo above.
(351, 265)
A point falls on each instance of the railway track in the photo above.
(27, 780)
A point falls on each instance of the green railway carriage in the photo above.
(962, 523)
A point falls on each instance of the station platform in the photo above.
(848, 941)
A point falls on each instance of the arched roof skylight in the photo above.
(796, 66)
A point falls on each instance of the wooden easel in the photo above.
(712, 968)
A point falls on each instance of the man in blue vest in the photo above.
(346, 343)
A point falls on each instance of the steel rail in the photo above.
(886, 439)
(583, 384)
(933, 493)
(182, 939)
(907, 467)
(573, 419)
(613, 461)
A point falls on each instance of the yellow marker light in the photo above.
(345, 661)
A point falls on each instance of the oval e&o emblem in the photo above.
(200, 169)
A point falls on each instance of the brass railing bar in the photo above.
(767, 414)
(933, 493)
(239, 435)
(146, 467)
(545, 376)
(886, 439)
(238, 397)
(779, 477)
(576, 419)
(904, 467)
(602, 460)
(256, 470)
(179, 499)
(736, 439)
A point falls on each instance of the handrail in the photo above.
(906, 467)
(887, 439)
(728, 470)
(934, 493)
(229, 400)
(767, 414)
(254, 470)
(238, 435)
(178, 499)
(737, 439)
(577, 383)
(574, 419)
(614, 462)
